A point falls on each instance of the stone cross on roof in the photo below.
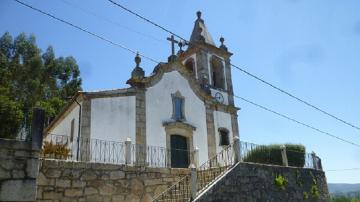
(173, 41)
(172, 57)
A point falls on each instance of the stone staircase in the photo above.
(200, 178)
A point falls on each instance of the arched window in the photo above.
(217, 72)
(224, 137)
(190, 65)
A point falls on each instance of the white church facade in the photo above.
(186, 104)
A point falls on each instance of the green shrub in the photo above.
(271, 154)
(281, 182)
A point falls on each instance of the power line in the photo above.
(296, 121)
(89, 12)
(149, 58)
(241, 69)
(344, 169)
(85, 30)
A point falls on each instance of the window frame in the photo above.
(177, 96)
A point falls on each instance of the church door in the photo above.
(179, 152)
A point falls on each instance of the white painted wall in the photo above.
(64, 126)
(159, 109)
(113, 118)
(61, 132)
(222, 119)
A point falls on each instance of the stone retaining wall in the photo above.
(76, 181)
(256, 182)
(18, 170)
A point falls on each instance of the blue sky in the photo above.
(310, 48)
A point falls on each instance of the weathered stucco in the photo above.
(113, 118)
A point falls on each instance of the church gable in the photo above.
(178, 108)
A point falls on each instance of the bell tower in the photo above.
(208, 63)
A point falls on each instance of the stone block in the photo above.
(88, 175)
(8, 164)
(107, 189)
(73, 192)
(18, 190)
(21, 153)
(43, 180)
(52, 195)
(18, 174)
(63, 183)
(4, 174)
(132, 198)
(78, 183)
(115, 175)
(53, 173)
(146, 198)
(149, 182)
(118, 198)
(32, 168)
(137, 186)
(90, 191)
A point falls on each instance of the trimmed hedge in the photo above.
(271, 154)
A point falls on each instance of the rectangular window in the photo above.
(72, 130)
(224, 137)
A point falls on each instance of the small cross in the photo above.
(173, 41)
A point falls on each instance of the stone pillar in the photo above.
(210, 131)
(284, 156)
(84, 139)
(236, 145)
(128, 151)
(37, 128)
(140, 114)
(196, 157)
(193, 181)
(314, 159)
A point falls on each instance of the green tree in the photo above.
(30, 78)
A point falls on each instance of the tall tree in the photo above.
(30, 78)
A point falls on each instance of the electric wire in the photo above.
(149, 58)
(105, 19)
(85, 30)
(296, 121)
(344, 169)
(241, 69)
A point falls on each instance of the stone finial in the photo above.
(180, 44)
(222, 46)
(138, 72)
(137, 59)
(198, 14)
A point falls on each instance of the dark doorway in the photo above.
(179, 152)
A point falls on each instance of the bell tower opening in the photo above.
(190, 65)
(217, 72)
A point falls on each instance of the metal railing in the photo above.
(179, 192)
(272, 156)
(206, 173)
(215, 166)
(103, 151)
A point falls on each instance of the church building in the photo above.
(186, 104)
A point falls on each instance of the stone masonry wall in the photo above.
(18, 170)
(76, 181)
(256, 182)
